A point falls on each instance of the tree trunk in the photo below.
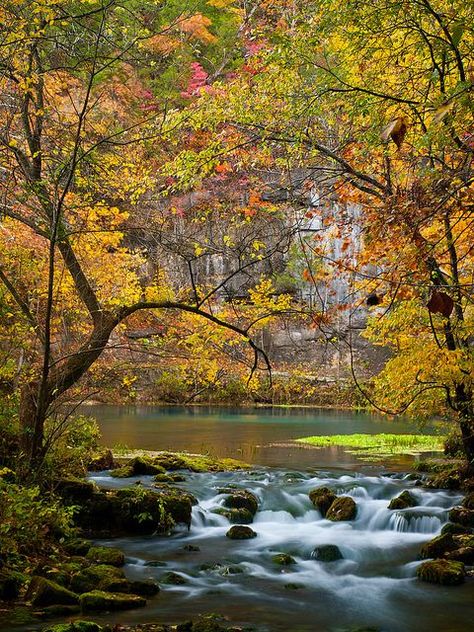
(31, 425)
(465, 407)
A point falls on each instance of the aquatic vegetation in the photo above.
(378, 445)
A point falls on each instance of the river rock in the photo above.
(235, 516)
(174, 579)
(438, 547)
(455, 529)
(169, 478)
(343, 508)
(104, 460)
(242, 499)
(98, 601)
(283, 559)
(327, 553)
(77, 546)
(134, 511)
(75, 491)
(468, 501)
(403, 501)
(240, 532)
(43, 592)
(462, 515)
(138, 466)
(106, 555)
(100, 576)
(463, 554)
(76, 626)
(322, 498)
(445, 572)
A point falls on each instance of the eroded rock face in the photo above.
(241, 532)
(403, 501)
(445, 572)
(322, 498)
(343, 508)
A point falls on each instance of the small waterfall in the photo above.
(409, 523)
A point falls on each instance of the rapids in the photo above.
(373, 585)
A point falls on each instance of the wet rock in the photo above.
(43, 592)
(462, 516)
(76, 626)
(241, 532)
(191, 547)
(327, 553)
(138, 466)
(445, 572)
(134, 511)
(283, 559)
(322, 498)
(438, 546)
(463, 554)
(450, 479)
(106, 555)
(10, 584)
(403, 501)
(468, 501)
(98, 601)
(242, 499)
(169, 478)
(343, 508)
(94, 577)
(173, 579)
(144, 587)
(235, 516)
(455, 529)
(196, 462)
(75, 490)
(102, 461)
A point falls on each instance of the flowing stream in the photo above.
(374, 583)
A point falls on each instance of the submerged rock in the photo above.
(43, 592)
(174, 579)
(443, 572)
(322, 498)
(403, 501)
(97, 601)
(327, 553)
(106, 555)
(283, 559)
(343, 508)
(240, 532)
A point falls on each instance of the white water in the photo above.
(377, 573)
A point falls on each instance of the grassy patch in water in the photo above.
(378, 445)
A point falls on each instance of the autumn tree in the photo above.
(372, 101)
(84, 135)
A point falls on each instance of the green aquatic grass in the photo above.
(378, 445)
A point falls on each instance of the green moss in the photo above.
(95, 577)
(322, 498)
(240, 532)
(197, 462)
(235, 516)
(242, 499)
(76, 626)
(443, 572)
(343, 508)
(106, 555)
(97, 601)
(43, 592)
(378, 445)
(403, 501)
(283, 559)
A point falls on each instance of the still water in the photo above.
(374, 583)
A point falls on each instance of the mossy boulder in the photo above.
(169, 478)
(104, 460)
(445, 572)
(106, 555)
(241, 499)
(343, 508)
(241, 532)
(75, 491)
(10, 584)
(235, 516)
(196, 462)
(94, 577)
(138, 466)
(463, 554)
(403, 501)
(134, 511)
(99, 601)
(75, 626)
(283, 559)
(438, 546)
(327, 553)
(322, 498)
(44, 592)
(173, 579)
(468, 501)
(462, 515)
(144, 587)
(78, 546)
(455, 528)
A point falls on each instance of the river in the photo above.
(373, 584)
